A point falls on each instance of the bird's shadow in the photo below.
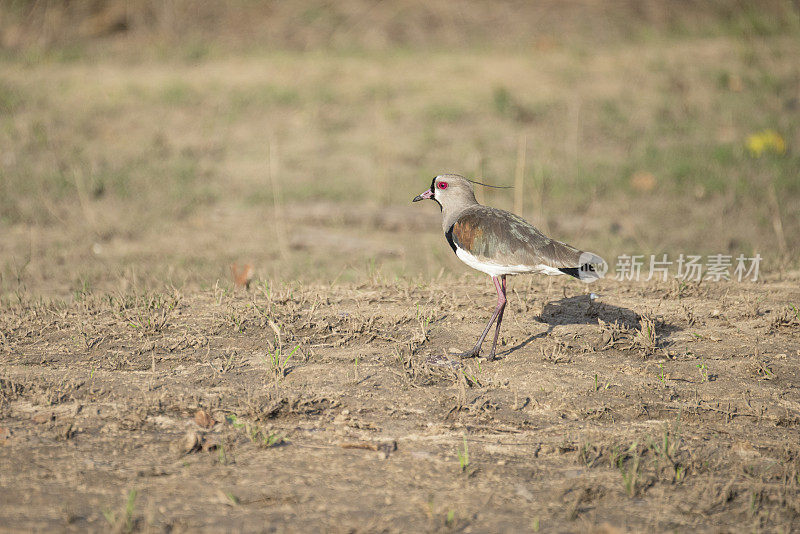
(582, 309)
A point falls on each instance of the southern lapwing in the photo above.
(500, 243)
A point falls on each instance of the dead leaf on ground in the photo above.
(203, 419)
(242, 276)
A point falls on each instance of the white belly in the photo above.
(495, 269)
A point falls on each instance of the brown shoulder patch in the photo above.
(465, 234)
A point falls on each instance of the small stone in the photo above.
(191, 442)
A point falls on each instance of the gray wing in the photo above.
(499, 236)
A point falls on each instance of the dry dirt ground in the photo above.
(656, 406)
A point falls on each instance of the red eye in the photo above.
(442, 185)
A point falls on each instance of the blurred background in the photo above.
(159, 142)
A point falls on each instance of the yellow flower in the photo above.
(766, 141)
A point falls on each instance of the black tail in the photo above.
(572, 271)
(575, 271)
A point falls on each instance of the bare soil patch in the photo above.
(291, 407)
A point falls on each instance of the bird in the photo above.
(501, 244)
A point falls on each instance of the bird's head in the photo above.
(449, 190)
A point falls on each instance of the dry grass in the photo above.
(131, 174)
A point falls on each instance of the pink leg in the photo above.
(498, 313)
(499, 320)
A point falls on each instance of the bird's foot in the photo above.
(474, 353)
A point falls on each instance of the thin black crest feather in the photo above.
(488, 185)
